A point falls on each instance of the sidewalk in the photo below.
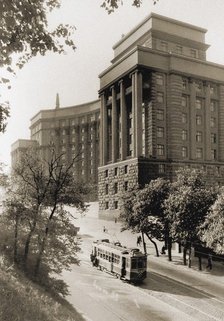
(94, 227)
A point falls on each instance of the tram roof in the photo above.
(117, 248)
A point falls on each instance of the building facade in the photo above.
(162, 108)
(74, 133)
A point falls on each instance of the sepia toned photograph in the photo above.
(111, 160)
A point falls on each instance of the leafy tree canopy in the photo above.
(188, 204)
(212, 229)
(24, 33)
(111, 5)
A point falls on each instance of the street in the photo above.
(167, 294)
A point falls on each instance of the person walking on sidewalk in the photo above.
(209, 265)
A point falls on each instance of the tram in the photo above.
(125, 263)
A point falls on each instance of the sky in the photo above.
(75, 75)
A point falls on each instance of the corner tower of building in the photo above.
(162, 108)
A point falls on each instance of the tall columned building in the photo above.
(162, 108)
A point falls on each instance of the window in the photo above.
(160, 97)
(106, 189)
(115, 188)
(198, 86)
(212, 89)
(198, 120)
(213, 138)
(199, 137)
(198, 152)
(212, 106)
(184, 101)
(193, 53)
(161, 168)
(159, 79)
(184, 151)
(160, 132)
(160, 150)
(126, 169)
(198, 104)
(179, 49)
(160, 114)
(116, 205)
(126, 186)
(184, 134)
(213, 153)
(212, 122)
(115, 171)
(164, 46)
(184, 84)
(184, 118)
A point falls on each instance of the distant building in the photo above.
(73, 132)
(162, 108)
(19, 147)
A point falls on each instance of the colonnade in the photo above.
(118, 92)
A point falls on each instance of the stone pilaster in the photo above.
(123, 109)
(192, 121)
(221, 123)
(207, 128)
(114, 126)
(137, 112)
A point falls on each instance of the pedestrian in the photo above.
(139, 240)
(115, 220)
(163, 250)
(104, 229)
(209, 265)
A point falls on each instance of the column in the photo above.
(103, 130)
(114, 126)
(192, 121)
(207, 124)
(123, 121)
(138, 114)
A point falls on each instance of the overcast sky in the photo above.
(75, 75)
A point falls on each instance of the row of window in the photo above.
(115, 205)
(115, 173)
(108, 256)
(199, 153)
(199, 103)
(115, 188)
(199, 136)
(164, 46)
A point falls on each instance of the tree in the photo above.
(24, 31)
(187, 206)
(211, 231)
(43, 238)
(111, 5)
(142, 211)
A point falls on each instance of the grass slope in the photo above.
(22, 300)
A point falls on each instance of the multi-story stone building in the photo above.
(162, 108)
(73, 132)
(19, 147)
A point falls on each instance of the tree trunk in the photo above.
(189, 257)
(184, 255)
(169, 247)
(16, 239)
(42, 247)
(179, 247)
(153, 242)
(199, 263)
(144, 244)
(27, 244)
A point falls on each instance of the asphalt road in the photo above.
(168, 294)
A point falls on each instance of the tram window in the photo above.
(134, 264)
(141, 264)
